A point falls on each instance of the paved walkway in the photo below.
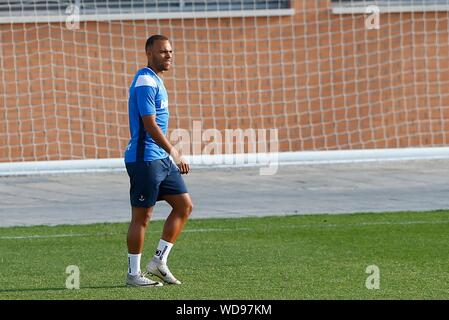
(233, 192)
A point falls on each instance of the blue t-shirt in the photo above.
(147, 96)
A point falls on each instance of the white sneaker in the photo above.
(141, 281)
(160, 269)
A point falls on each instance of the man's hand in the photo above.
(182, 163)
(183, 166)
(156, 133)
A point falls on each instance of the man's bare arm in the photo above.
(158, 136)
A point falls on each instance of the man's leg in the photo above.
(136, 231)
(135, 239)
(181, 209)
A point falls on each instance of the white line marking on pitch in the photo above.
(330, 225)
(71, 235)
(361, 224)
(46, 236)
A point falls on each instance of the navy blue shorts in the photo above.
(150, 180)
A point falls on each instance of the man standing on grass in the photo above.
(153, 176)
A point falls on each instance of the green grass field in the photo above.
(293, 257)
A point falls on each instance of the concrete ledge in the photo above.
(231, 160)
(148, 16)
(388, 8)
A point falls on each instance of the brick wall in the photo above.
(323, 80)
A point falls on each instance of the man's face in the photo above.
(160, 55)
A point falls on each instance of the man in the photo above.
(153, 176)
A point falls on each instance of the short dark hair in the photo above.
(151, 40)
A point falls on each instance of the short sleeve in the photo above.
(146, 90)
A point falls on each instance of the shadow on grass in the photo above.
(60, 289)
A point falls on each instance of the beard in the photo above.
(162, 66)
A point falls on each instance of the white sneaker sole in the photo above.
(144, 285)
(134, 283)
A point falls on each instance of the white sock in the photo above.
(163, 250)
(134, 264)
